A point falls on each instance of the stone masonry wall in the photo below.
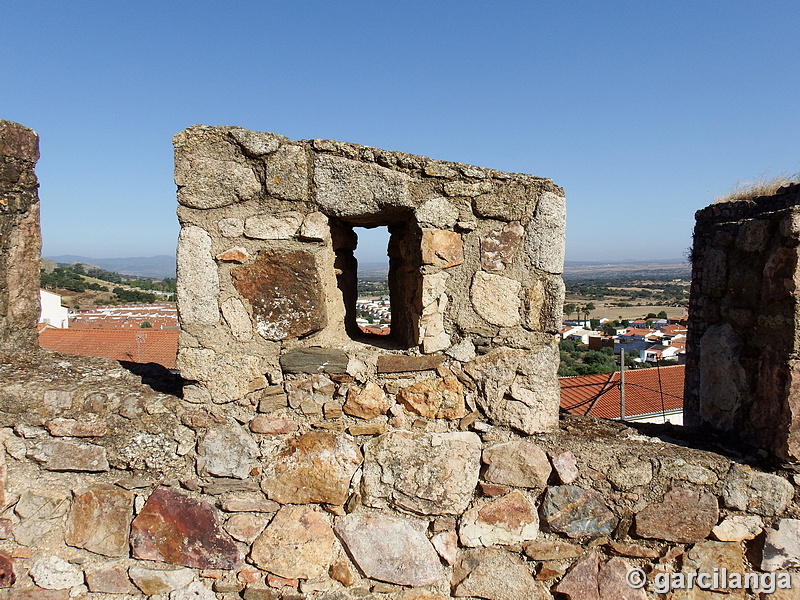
(742, 354)
(20, 239)
(267, 280)
(110, 490)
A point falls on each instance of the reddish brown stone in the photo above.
(197, 418)
(99, 520)
(238, 255)
(581, 581)
(442, 248)
(632, 550)
(38, 594)
(109, 579)
(499, 247)
(265, 424)
(439, 398)
(313, 467)
(394, 363)
(285, 292)
(7, 575)
(367, 402)
(176, 529)
(73, 428)
(492, 489)
(683, 516)
(613, 583)
(6, 529)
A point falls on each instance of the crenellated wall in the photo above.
(20, 239)
(267, 279)
(350, 470)
(742, 350)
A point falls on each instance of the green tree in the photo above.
(569, 309)
(145, 324)
(662, 315)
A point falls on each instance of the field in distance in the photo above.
(628, 290)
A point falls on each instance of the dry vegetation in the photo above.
(747, 190)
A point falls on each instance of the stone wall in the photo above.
(742, 351)
(356, 484)
(267, 280)
(112, 491)
(20, 239)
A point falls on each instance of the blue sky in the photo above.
(642, 111)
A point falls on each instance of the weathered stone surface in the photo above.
(310, 394)
(109, 578)
(226, 451)
(54, 573)
(315, 227)
(245, 527)
(632, 550)
(518, 388)
(177, 529)
(194, 591)
(313, 467)
(63, 455)
(367, 402)
(198, 279)
(469, 190)
(723, 380)
(507, 520)
(238, 319)
(580, 582)
(552, 550)
(565, 465)
(545, 233)
(499, 247)
(397, 363)
(99, 520)
(760, 493)
(431, 474)
(520, 463)
(285, 293)
(266, 424)
(236, 254)
(347, 188)
(205, 182)
(230, 227)
(442, 248)
(612, 582)
(286, 173)
(314, 360)
(438, 398)
(7, 575)
(281, 226)
(683, 516)
(709, 555)
(297, 544)
(40, 512)
(630, 472)
(496, 298)
(737, 528)
(446, 544)
(509, 201)
(389, 548)
(72, 428)
(226, 376)
(577, 512)
(782, 546)
(495, 575)
(678, 468)
(37, 594)
(249, 503)
(160, 581)
(437, 212)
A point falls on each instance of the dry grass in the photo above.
(747, 190)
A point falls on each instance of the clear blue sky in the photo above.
(642, 111)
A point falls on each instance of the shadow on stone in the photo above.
(157, 377)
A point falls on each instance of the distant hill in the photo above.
(150, 266)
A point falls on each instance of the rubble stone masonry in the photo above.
(304, 464)
(267, 278)
(743, 367)
(20, 239)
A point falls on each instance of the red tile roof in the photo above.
(131, 345)
(598, 395)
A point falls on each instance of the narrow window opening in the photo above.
(373, 305)
(377, 265)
